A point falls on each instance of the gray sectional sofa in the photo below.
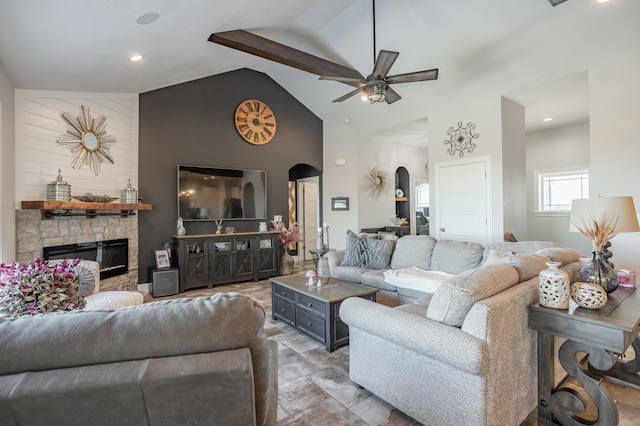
(186, 361)
(464, 354)
(426, 253)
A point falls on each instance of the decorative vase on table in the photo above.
(553, 287)
(601, 273)
(322, 270)
(286, 263)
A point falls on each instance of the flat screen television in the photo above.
(210, 193)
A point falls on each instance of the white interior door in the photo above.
(309, 215)
(461, 201)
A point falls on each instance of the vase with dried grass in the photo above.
(600, 231)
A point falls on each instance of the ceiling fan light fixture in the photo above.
(375, 92)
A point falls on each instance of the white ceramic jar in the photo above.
(553, 287)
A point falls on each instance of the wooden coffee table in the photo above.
(315, 310)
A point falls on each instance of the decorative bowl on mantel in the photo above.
(90, 198)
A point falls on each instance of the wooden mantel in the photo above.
(47, 208)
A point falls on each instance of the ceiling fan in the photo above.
(375, 87)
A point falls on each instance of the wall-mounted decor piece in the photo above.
(90, 140)
(340, 203)
(255, 122)
(461, 139)
(378, 181)
(426, 168)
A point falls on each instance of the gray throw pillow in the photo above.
(353, 252)
(377, 253)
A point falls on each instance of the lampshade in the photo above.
(618, 210)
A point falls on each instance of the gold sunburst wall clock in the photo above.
(89, 141)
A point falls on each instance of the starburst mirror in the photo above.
(90, 141)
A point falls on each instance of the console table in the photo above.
(603, 334)
(211, 259)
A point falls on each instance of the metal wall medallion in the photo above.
(89, 141)
(461, 139)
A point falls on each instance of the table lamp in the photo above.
(600, 219)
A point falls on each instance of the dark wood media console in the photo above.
(206, 260)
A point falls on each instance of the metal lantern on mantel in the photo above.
(58, 190)
(129, 195)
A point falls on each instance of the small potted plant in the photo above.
(39, 287)
(287, 237)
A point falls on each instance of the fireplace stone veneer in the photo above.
(33, 234)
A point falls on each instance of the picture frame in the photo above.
(162, 259)
(340, 203)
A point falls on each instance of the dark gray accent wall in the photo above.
(193, 124)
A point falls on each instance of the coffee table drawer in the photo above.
(284, 292)
(285, 310)
(311, 323)
(311, 304)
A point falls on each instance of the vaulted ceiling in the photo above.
(526, 50)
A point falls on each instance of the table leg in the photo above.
(545, 377)
(567, 405)
(626, 370)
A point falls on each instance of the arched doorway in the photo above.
(305, 206)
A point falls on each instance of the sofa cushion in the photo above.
(348, 273)
(455, 257)
(377, 253)
(375, 278)
(528, 265)
(455, 297)
(564, 255)
(413, 250)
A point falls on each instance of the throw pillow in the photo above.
(455, 257)
(413, 250)
(564, 255)
(88, 272)
(387, 235)
(453, 300)
(528, 265)
(353, 252)
(377, 253)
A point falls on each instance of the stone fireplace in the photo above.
(34, 233)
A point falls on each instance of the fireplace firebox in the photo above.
(113, 255)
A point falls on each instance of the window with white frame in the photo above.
(555, 189)
(422, 195)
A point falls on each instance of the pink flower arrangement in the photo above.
(39, 287)
(287, 236)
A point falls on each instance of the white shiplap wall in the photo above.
(39, 156)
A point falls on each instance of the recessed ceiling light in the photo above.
(548, 119)
(147, 18)
(136, 58)
(603, 1)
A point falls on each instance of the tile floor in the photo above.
(314, 385)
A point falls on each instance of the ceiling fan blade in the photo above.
(556, 2)
(413, 76)
(390, 96)
(273, 51)
(384, 62)
(348, 95)
(357, 82)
